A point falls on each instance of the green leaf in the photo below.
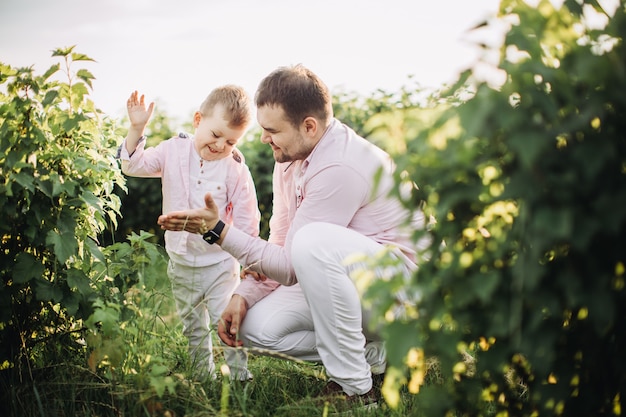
(86, 76)
(79, 90)
(95, 251)
(81, 57)
(108, 317)
(161, 383)
(66, 222)
(77, 279)
(65, 245)
(26, 268)
(53, 69)
(45, 186)
(63, 51)
(70, 123)
(71, 302)
(49, 98)
(91, 200)
(60, 186)
(25, 179)
(405, 338)
(158, 370)
(46, 291)
(554, 224)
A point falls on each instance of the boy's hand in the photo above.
(257, 276)
(193, 220)
(137, 112)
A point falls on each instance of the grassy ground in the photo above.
(155, 378)
(280, 388)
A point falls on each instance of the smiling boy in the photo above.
(203, 276)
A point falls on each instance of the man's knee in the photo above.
(309, 243)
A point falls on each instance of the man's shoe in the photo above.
(333, 401)
(337, 401)
(377, 382)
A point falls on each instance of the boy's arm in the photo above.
(139, 116)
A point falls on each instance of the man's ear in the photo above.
(310, 126)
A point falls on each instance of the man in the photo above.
(331, 201)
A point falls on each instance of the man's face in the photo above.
(288, 142)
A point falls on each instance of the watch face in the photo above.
(213, 235)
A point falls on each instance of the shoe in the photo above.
(338, 402)
(331, 401)
(376, 357)
(377, 382)
(243, 375)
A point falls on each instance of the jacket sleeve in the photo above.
(252, 291)
(144, 162)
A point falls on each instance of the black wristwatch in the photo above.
(214, 234)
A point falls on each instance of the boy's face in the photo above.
(213, 138)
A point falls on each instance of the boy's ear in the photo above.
(197, 116)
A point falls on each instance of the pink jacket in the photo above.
(170, 160)
(347, 181)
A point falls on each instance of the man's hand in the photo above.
(194, 220)
(232, 317)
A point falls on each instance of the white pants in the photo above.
(321, 318)
(201, 295)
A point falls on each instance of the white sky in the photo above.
(177, 51)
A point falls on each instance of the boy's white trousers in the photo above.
(201, 295)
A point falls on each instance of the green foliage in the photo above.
(121, 331)
(527, 183)
(260, 161)
(384, 118)
(55, 198)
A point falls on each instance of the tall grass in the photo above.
(58, 380)
(279, 388)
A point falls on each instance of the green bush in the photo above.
(77, 319)
(56, 196)
(523, 302)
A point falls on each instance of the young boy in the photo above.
(203, 277)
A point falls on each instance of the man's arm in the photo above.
(327, 200)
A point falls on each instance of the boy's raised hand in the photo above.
(138, 114)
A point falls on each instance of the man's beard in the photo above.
(281, 156)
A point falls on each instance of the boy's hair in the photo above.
(236, 104)
(298, 91)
